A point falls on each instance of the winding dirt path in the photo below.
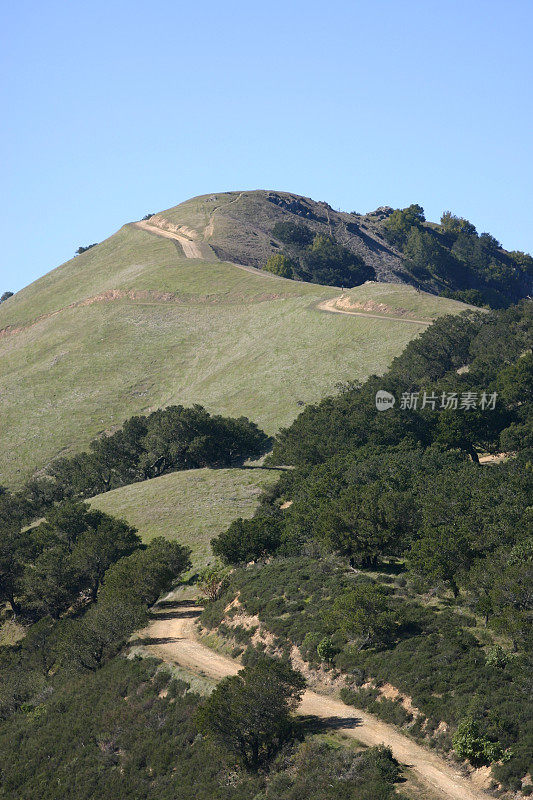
(210, 227)
(172, 637)
(331, 306)
(190, 248)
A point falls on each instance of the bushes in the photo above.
(318, 771)
(280, 265)
(328, 262)
(428, 654)
(292, 233)
(129, 587)
(325, 649)
(85, 642)
(401, 222)
(317, 258)
(61, 561)
(249, 714)
(211, 581)
(391, 711)
(140, 578)
(174, 438)
(469, 744)
(248, 540)
(364, 615)
(457, 261)
(129, 730)
(111, 734)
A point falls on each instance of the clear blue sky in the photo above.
(114, 109)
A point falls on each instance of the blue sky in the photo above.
(114, 109)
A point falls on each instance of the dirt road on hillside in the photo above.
(190, 248)
(172, 637)
(331, 305)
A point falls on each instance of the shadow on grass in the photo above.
(146, 641)
(391, 568)
(178, 614)
(309, 724)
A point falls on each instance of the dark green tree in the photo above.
(100, 546)
(293, 233)
(248, 540)
(249, 714)
(398, 226)
(363, 616)
(367, 522)
(15, 550)
(140, 578)
(50, 584)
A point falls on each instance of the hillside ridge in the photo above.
(132, 324)
(393, 245)
(255, 213)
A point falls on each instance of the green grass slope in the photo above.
(132, 325)
(192, 506)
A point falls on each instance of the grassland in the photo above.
(191, 506)
(131, 325)
(402, 300)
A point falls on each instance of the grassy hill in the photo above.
(192, 507)
(132, 325)
(448, 258)
(239, 226)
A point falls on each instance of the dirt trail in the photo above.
(172, 637)
(331, 305)
(210, 227)
(190, 248)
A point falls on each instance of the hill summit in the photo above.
(173, 309)
(338, 248)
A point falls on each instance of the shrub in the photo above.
(249, 714)
(280, 265)
(81, 249)
(247, 540)
(325, 649)
(470, 744)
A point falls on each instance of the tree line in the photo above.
(167, 440)
(457, 261)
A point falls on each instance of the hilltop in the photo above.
(334, 247)
(153, 316)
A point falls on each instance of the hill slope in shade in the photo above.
(132, 325)
(191, 507)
